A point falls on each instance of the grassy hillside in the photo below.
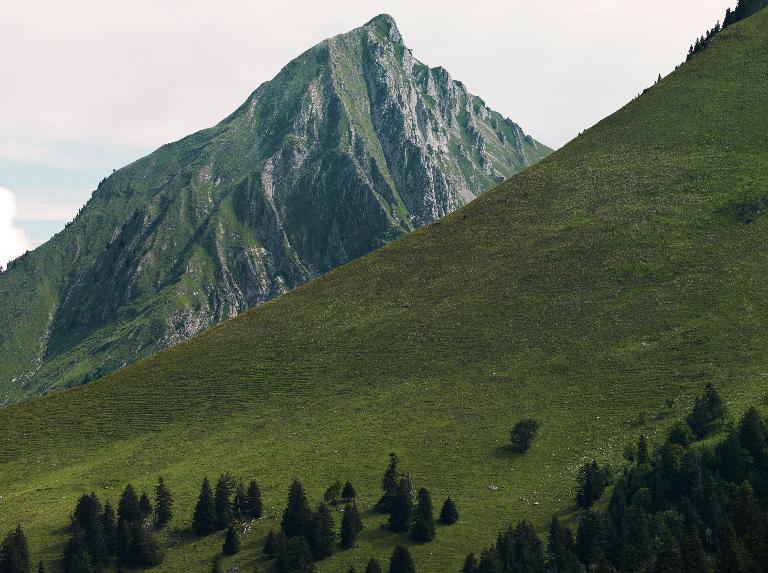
(597, 292)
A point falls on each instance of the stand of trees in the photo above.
(744, 9)
(14, 553)
(690, 506)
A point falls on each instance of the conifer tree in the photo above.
(222, 501)
(562, 559)
(351, 569)
(321, 535)
(490, 562)
(668, 558)
(592, 482)
(297, 511)
(295, 557)
(332, 495)
(76, 558)
(348, 493)
(351, 525)
(145, 506)
(692, 554)
(470, 564)
(255, 505)
(14, 553)
(402, 505)
(423, 526)
(642, 451)
(240, 503)
(216, 564)
(204, 518)
(401, 561)
(40, 568)
(449, 514)
(128, 507)
(163, 504)
(389, 485)
(752, 435)
(109, 526)
(708, 413)
(231, 544)
(270, 546)
(373, 567)
(145, 551)
(125, 533)
(88, 518)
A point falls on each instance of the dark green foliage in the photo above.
(332, 495)
(145, 506)
(402, 505)
(708, 413)
(76, 558)
(592, 481)
(145, 551)
(253, 497)
(109, 526)
(351, 569)
(449, 513)
(523, 434)
(351, 526)
(231, 544)
(295, 557)
(271, 545)
(561, 557)
(752, 435)
(373, 566)
(490, 562)
(163, 504)
(204, 517)
(216, 564)
(222, 500)
(128, 507)
(321, 534)
(14, 553)
(40, 568)
(401, 561)
(240, 509)
(88, 518)
(642, 451)
(348, 493)
(297, 512)
(470, 564)
(681, 434)
(389, 486)
(423, 524)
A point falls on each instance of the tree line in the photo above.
(744, 9)
(690, 506)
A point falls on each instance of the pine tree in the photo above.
(295, 557)
(231, 542)
(373, 567)
(145, 506)
(145, 550)
(642, 451)
(490, 562)
(76, 558)
(351, 525)
(752, 435)
(204, 518)
(109, 526)
(401, 561)
(125, 533)
(14, 553)
(708, 413)
(423, 526)
(255, 505)
(297, 511)
(88, 518)
(562, 559)
(240, 503)
(222, 501)
(389, 486)
(402, 505)
(449, 514)
(668, 558)
(163, 504)
(271, 546)
(321, 535)
(692, 554)
(592, 482)
(348, 493)
(128, 507)
(470, 564)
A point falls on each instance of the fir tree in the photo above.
(402, 506)
(592, 482)
(423, 526)
(14, 553)
(145, 550)
(271, 546)
(204, 518)
(642, 451)
(389, 485)
(322, 535)
(752, 435)
(297, 511)
(240, 503)
(128, 507)
(145, 506)
(163, 504)
(216, 564)
(668, 559)
(109, 526)
(295, 557)
(373, 567)
(88, 518)
(401, 561)
(470, 564)
(253, 496)
(490, 562)
(692, 554)
(231, 544)
(681, 434)
(562, 559)
(523, 434)
(708, 413)
(351, 525)
(76, 558)
(348, 493)
(222, 501)
(449, 514)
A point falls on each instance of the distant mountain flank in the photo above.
(351, 145)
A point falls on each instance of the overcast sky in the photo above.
(90, 85)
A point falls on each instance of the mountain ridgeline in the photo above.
(351, 145)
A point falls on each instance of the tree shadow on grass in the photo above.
(507, 452)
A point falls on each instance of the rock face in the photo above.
(351, 145)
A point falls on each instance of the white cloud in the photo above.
(13, 241)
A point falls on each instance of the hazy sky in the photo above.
(90, 85)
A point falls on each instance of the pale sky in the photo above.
(87, 86)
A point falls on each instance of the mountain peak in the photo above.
(387, 25)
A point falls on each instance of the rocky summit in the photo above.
(353, 144)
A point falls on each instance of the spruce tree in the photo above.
(642, 451)
(592, 482)
(401, 561)
(145, 506)
(470, 564)
(163, 504)
(14, 553)
(708, 413)
(255, 505)
(222, 501)
(216, 564)
(373, 567)
(490, 562)
(449, 514)
(204, 518)
(321, 535)
(351, 525)
(109, 525)
(145, 550)
(240, 503)
(270, 546)
(128, 507)
(295, 557)
(348, 493)
(88, 518)
(562, 559)
(389, 486)
(402, 506)
(231, 544)
(297, 511)
(76, 558)
(752, 435)
(423, 526)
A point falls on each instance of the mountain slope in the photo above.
(353, 144)
(622, 272)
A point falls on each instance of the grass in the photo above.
(585, 292)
